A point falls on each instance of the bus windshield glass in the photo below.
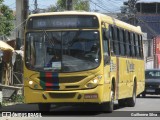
(62, 51)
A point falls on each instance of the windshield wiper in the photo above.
(46, 34)
(50, 41)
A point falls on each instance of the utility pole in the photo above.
(21, 16)
(69, 4)
(26, 9)
(35, 6)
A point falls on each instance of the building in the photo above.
(148, 12)
(148, 16)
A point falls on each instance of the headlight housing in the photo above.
(33, 84)
(94, 83)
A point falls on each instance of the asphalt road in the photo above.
(149, 105)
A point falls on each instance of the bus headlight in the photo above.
(30, 82)
(93, 83)
(33, 84)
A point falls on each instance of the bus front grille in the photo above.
(71, 79)
(62, 95)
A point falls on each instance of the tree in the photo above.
(6, 19)
(81, 5)
(76, 5)
(61, 5)
(52, 8)
(128, 12)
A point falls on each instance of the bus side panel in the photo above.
(107, 84)
(124, 78)
(130, 70)
(140, 76)
(113, 74)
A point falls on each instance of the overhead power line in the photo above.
(99, 6)
(153, 32)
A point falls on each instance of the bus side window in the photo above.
(140, 44)
(112, 38)
(122, 49)
(106, 37)
(124, 42)
(137, 46)
(127, 44)
(134, 41)
(142, 47)
(130, 44)
(116, 42)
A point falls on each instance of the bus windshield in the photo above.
(62, 51)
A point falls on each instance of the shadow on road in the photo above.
(83, 110)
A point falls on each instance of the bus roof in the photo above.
(101, 17)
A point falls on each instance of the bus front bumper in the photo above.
(74, 96)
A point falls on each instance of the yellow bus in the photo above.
(82, 58)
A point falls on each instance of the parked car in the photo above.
(152, 82)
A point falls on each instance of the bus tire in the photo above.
(143, 94)
(122, 102)
(109, 106)
(1, 98)
(132, 101)
(44, 106)
(0, 105)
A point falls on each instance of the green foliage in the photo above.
(52, 8)
(6, 19)
(14, 100)
(1, 1)
(77, 5)
(81, 5)
(61, 4)
(17, 98)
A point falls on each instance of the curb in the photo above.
(10, 104)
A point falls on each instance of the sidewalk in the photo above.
(11, 103)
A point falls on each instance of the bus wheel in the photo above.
(138, 96)
(1, 97)
(109, 106)
(143, 94)
(44, 106)
(122, 102)
(132, 101)
(0, 105)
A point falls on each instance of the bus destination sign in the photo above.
(70, 22)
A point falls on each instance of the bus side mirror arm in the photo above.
(106, 59)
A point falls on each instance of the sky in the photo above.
(100, 5)
(41, 3)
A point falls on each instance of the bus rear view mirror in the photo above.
(106, 59)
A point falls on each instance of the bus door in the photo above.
(114, 60)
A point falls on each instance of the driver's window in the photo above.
(105, 35)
